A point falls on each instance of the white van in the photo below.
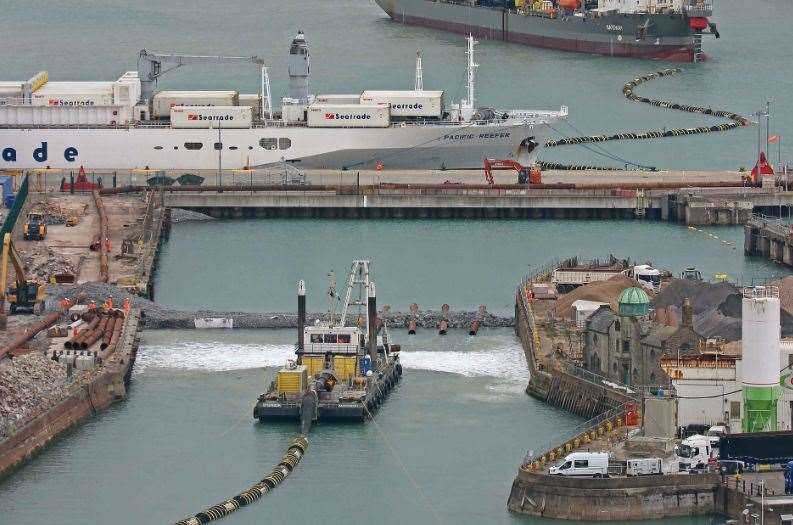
(593, 464)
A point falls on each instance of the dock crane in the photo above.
(25, 295)
(151, 66)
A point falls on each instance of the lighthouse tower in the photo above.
(760, 362)
(299, 69)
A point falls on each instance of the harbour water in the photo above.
(461, 263)
(355, 46)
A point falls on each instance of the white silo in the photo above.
(760, 362)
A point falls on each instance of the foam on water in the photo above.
(504, 362)
(212, 357)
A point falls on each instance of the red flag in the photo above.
(773, 139)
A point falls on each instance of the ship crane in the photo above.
(151, 66)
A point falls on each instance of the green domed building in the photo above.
(633, 302)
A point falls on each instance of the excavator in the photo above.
(25, 295)
(525, 175)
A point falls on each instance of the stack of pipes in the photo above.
(105, 326)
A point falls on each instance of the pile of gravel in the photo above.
(27, 383)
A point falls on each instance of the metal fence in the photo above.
(19, 203)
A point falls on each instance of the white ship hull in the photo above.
(412, 146)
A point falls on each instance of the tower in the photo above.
(299, 68)
(760, 330)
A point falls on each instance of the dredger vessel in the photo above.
(341, 371)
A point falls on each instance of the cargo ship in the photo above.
(341, 371)
(126, 125)
(652, 29)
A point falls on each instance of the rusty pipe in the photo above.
(74, 342)
(94, 336)
(104, 268)
(30, 333)
(474, 327)
(412, 327)
(107, 335)
(443, 327)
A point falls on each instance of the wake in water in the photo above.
(501, 359)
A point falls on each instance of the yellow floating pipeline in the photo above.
(297, 449)
(737, 121)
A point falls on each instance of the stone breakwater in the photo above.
(158, 316)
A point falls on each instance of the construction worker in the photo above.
(92, 306)
(126, 305)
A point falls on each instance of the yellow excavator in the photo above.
(25, 295)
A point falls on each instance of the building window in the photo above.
(284, 143)
(594, 338)
(158, 147)
(218, 145)
(790, 360)
(735, 410)
(626, 347)
(652, 378)
(233, 147)
(269, 144)
(617, 326)
(652, 353)
(194, 145)
(615, 367)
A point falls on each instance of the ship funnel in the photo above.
(301, 315)
(299, 69)
(371, 324)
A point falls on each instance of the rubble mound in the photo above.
(600, 291)
(28, 382)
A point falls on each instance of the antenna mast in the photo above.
(419, 83)
(467, 105)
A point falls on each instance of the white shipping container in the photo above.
(28, 115)
(408, 103)
(348, 116)
(338, 99)
(250, 100)
(163, 101)
(211, 117)
(74, 94)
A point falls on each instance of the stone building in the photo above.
(626, 346)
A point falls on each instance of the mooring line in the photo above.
(404, 468)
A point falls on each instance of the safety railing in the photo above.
(581, 435)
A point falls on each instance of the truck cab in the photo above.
(587, 464)
(715, 433)
(693, 452)
(647, 276)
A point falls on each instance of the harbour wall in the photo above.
(556, 383)
(103, 387)
(635, 498)
(690, 206)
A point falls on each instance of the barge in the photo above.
(341, 371)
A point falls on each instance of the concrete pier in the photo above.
(766, 237)
(691, 206)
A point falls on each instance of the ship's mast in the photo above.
(418, 85)
(467, 105)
